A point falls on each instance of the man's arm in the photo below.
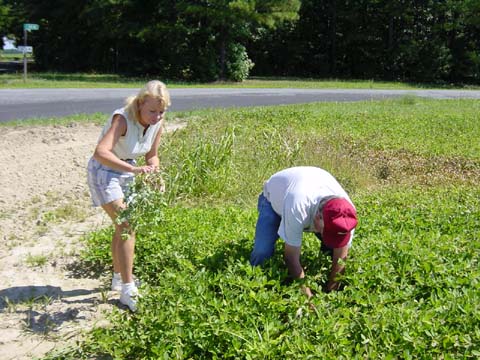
(338, 267)
(295, 269)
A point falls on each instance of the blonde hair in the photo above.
(154, 89)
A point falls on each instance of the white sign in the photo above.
(25, 49)
(8, 44)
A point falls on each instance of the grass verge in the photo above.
(86, 80)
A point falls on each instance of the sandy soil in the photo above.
(44, 212)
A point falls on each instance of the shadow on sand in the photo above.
(46, 308)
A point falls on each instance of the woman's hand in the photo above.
(147, 169)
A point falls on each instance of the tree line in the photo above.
(207, 40)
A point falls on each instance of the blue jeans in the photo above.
(266, 232)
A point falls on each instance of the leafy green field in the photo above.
(61, 80)
(412, 283)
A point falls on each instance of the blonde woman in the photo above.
(132, 131)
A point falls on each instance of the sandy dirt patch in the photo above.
(44, 212)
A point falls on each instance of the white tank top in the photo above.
(133, 144)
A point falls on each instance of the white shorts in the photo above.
(105, 184)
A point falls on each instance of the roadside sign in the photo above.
(25, 49)
(30, 27)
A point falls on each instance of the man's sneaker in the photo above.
(117, 283)
(129, 298)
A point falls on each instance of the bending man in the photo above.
(304, 199)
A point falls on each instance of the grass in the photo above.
(51, 210)
(97, 118)
(85, 80)
(36, 260)
(411, 286)
(13, 56)
(64, 212)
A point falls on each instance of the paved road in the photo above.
(28, 103)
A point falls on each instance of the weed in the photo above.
(10, 306)
(408, 100)
(33, 307)
(36, 260)
(65, 212)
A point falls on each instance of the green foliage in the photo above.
(423, 127)
(178, 40)
(198, 165)
(238, 65)
(229, 24)
(7, 17)
(432, 41)
(428, 41)
(96, 257)
(145, 196)
(411, 285)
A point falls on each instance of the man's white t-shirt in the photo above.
(295, 194)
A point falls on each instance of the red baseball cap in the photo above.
(339, 219)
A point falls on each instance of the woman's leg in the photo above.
(123, 242)
(115, 240)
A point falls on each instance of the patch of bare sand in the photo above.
(44, 212)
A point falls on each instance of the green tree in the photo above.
(5, 17)
(12, 18)
(230, 23)
(425, 40)
(192, 40)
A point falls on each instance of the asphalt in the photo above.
(18, 104)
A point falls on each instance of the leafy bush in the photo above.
(238, 63)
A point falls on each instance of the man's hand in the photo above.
(338, 268)
(311, 306)
(292, 260)
(332, 286)
(295, 269)
(333, 283)
(306, 290)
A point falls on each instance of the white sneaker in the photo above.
(117, 283)
(130, 298)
